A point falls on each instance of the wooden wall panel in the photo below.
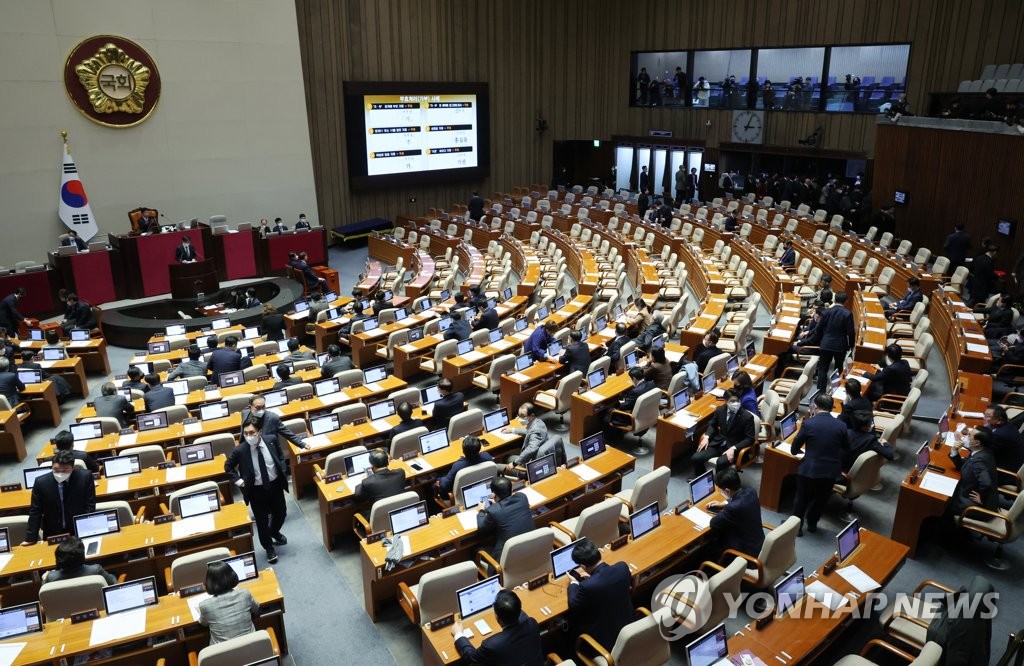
(569, 60)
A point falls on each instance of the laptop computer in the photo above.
(174, 329)
(326, 386)
(356, 463)
(444, 323)
(30, 376)
(32, 473)
(375, 374)
(152, 421)
(275, 398)
(680, 400)
(542, 314)
(709, 383)
(520, 325)
(477, 597)
(324, 424)
(120, 465)
(430, 395)
(732, 365)
(213, 410)
(131, 595)
(541, 468)
(631, 359)
(592, 446)
(434, 441)
(644, 521)
(495, 420)
(561, 559)
(36, 335)
(494, 336)
(158, 347)
(415, 334)
(711, 649)
(250, 333)
(596, 378)
(702, 486)
(79, 335)
(523, 361)
(57, 354)
(96, 524)
(848, 541)
(400, 314)
(559, 302)
(233, 378)
(193, 453)
(507, 294)
(408, 518)
(788, 425)
(464, 346)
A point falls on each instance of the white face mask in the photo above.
(252, 439)
(61, 477)
(733, 407)
(258, 413)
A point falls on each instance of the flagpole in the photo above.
(64, 136)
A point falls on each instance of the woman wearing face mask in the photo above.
(977, 473)
(731, 430)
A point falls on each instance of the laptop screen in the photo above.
(81, 432)
(357, 463)
(244, 565)
(220, 324)
(478, 596)
(152, 421)
(275, 398)
(35, 335)
(213, 410)
(444, 323)
(20, 620)
(120, 465)
(250, 333)
(555, 348)
(194, 453)
(369, 324)
(382, 409)
(324, 424)
(643, 521)
(475, 493)
(595, 378)
(561, 559)
(495, 420)
(161, 347)
(541, 468)
(5, 541)
(233, 378)
(560, 302)
(433, 441)
(96, 524)
(709, 649)
(600, 324)
(301, 306)
(445, 294)
(709, 382)
(702, 486)
(130, 595)
(179, 387)
(464, 346)
(409, 518)
(416, 334)
(680, 399)
(788, 426)
(507, 294)
(494, 336)
(924, 457)
(282, 345)
(57, 354)
(521, 325)
(542, 314)
(327, 386)
(523, 362)
(33, 473)
(401, 314)
(430, 394)
(376, 374)
(789, 591)
(944, 425)
(425, 305)
(848, 540)
(592, 446)
(658, 342)
(335, 313)
(197, 504)
(174, 329)
(751, 352)
(732, 365)
(631, 359)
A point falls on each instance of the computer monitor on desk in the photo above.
(680, 400)
(381, 410)
(433, 441)
(80, 334)
(478, 597)
(131, 595)
(193, 453)
(789, 591)
(709, 383)
(356, 463)
(848, 541)
(96, 524)
(152, 421)
(198, 504)
(596, 378)
(523, 362)
(408, 518)
(244, 566)
(81, 432)
(541, 468)
(120, 466)
(711, 649)
(702, 486)
(20, 620)
(475, 493)
(495, 420)
(644, 521)
(732, 365)
(592, 446)
(788, 426)
(561, 559)
(924, 458)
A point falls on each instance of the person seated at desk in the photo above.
(826, 440)
(731, 430)
(459, 329)
(1000, 318)
(147, 223)
(313, 281)
(272, 323)
(508, 515)
(135, 381)
(893, 379)
(643, 317)
(708, 350)
(825, 294)
(9, 315)
(295, 353)
(230, 610)
(212, 342)
(406, 421)
(113, 405)
(909, 300)
(60, 385)
(158, 396)
(58, 497)
(185, 253)
(744, 387)
(471, 455)
(380, 303)
(381, 481)
(194, 366)
(854, 402)
(576, 356)
(863, 438)
(656, 328)
(335, 362)
(302, 223)
(263, 230)
(317, 304)
(10, 385)
(69, 558)
(537, 344)
(731, 223)
(53, 340)
(476, 296)
(1007, 442)
(227, 359)
(71, 239)
(460, 303)
(978, 476)
(600, 599)
(736, 522)
(284, 377)
(63, 441)
(279, 226)
(78, 314)
(250, 300)
(535, 436)
(235, 299)
(641, 384)
(448, 405)
(357, 315)
(788, 258)
(518, 642)
(614, 346)
(487, 319)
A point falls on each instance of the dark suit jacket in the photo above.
(506, 518)
(862, 442)
(226, 360)
(615, 347)
(115, 407)
(601, 604)
(9, 315)
(909, 300)
(704, 355)
(380, 485)
(577, 357)
(738, 524)
(273, 428)
(335, 365)
(826, 441)
(647, 337)
(447, 407)
(405, 426)
(1000, 321)
(182, 253)
(1008, 446)
(90, 462)
(272, 326)
(157, 397)
(447, 482)
(788, 258)
(834, 331)
(629, 398)
(978, 472)
(983, 277)
(517, 645)
(10, 386)
(957, 245)
(476, 208)
(860, 404)
(239, 466)
(894, 378)
(739, 433)
(488, 320)
(45, 511)
(80, 315)
(459, 330)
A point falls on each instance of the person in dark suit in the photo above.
(909, 300)
(185, 253)
(1000, 318)
(58, 497)
(614, 346)
(279, 226)
(894, 378)
(731, 430)
(303, 223)
(227, 359)
(255, 467)
(788, 258)
(507, 516)
(708, 350)
(407, 422)
(600, 600)
(826, 441)
(71, 238)
(459, 329)
(476, 207)
(537, 344)
(978, 477)
(10, 386)
(313, 281)
(63, 441)
(626, 402)
(863, 438)
(69, 561)
(251, 301)
(381, 303)
(487, 319)
(335, 362)
(112, 405)
(284, 377)
(9, 315)
(645, 179)
(576, 356)
(148, 223)
(956, 247)
(518, 642)
(737, 521)
(855, 402)
(381, 482)
(656, 328)
(158, 396)
(983, 274)
(1007, 442)
(448, 406)
(270, 424)
(135, 380)
(834, 337)
(471, 455)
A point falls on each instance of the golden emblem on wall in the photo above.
(112, 80)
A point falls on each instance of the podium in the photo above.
(187, 280)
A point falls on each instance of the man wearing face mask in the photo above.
(731, 430)
(58, 497)
(302, 223)
(270, 424)
(535, 436)
(737, 521)
(255, 467)
(978, 474)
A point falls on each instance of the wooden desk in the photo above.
(586, 408)
(42, 398)
(520, 387)
(93, 353)
(871, 326)
(959, 337)
(780, 337)
(365, 345)
(693, 334)
(12, 440)
(72, 370)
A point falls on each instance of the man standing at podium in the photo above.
(185, 253)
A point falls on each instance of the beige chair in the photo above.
(125, 516)
(189, 570)
(599, 523)
(174, 499)
(255, 372)
(524, 557)
(17, 528)
(640, 643)
(560, 398)
(221, 443)
(406, 442)
(1002, 526)
(347, 378)
(149, 456)
(246, 649)
(334, 462)
(296, 391)
(445, 349)
(490, 380)
(434, 595)
(378, 521)
(238, 403)
(864, 474)
(110, 425)
(175, 413)
(467, 476)
(930, 655)
(64, 598)
(643, 417)
(469, 422)
(889, 406)
(651, 487)
(350, 413)
(778, 553)
(908, 620)
(723, 585)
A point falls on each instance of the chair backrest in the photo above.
(17, 527)
(64, 598)
(930, 655)
(526, 556)
(641, 643)
(333, 463)
(723, 586)
(406, 442)
(717, 365)
(382, 507)
(864, 475)
(175, 413)
(173, 500)
(778, 552)
(566, 387)
(651, 487)
(125, 515)
(436, 591)
(350, 413)
(149, 456)
(646, 410)
(110, 424)
(190, 569)
(471, 474)
(600, 522)
(468, 422)
(221, 443)
(246, 649)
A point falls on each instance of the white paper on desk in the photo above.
(978, 349)
(174, 474)
(9, 652)
(467, 519)
(317, 440)
(965, 315)
(684, 419)
(352, 482)
(118, 484)
(839, 393)
(80, 446)
(519, 377)
(381, 425)
(300, 315)
(673, 356)
(585, 472)
(193, 428)
(375, 333)
(824, 594)
(4, 559)
(937, 483)
(755, 367)
(408, 349)
(972, 415)
(118, 626)
(880, 331)
(699, 517)
(534, 497)
(855, 576)
(47, 364)
(787, 448)
(789, 320)
(472, 356)
(193, 604)
(502, 345)
(211, 395)
(406, 546)
(593, 396)
(373, 387)
(974, 336)
(128, 440)
(79, 343)
(333, 398)
(194, 525)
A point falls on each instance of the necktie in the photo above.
(60, 492)
(264, 475)
(728, 419)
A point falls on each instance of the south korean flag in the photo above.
(73, 208)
